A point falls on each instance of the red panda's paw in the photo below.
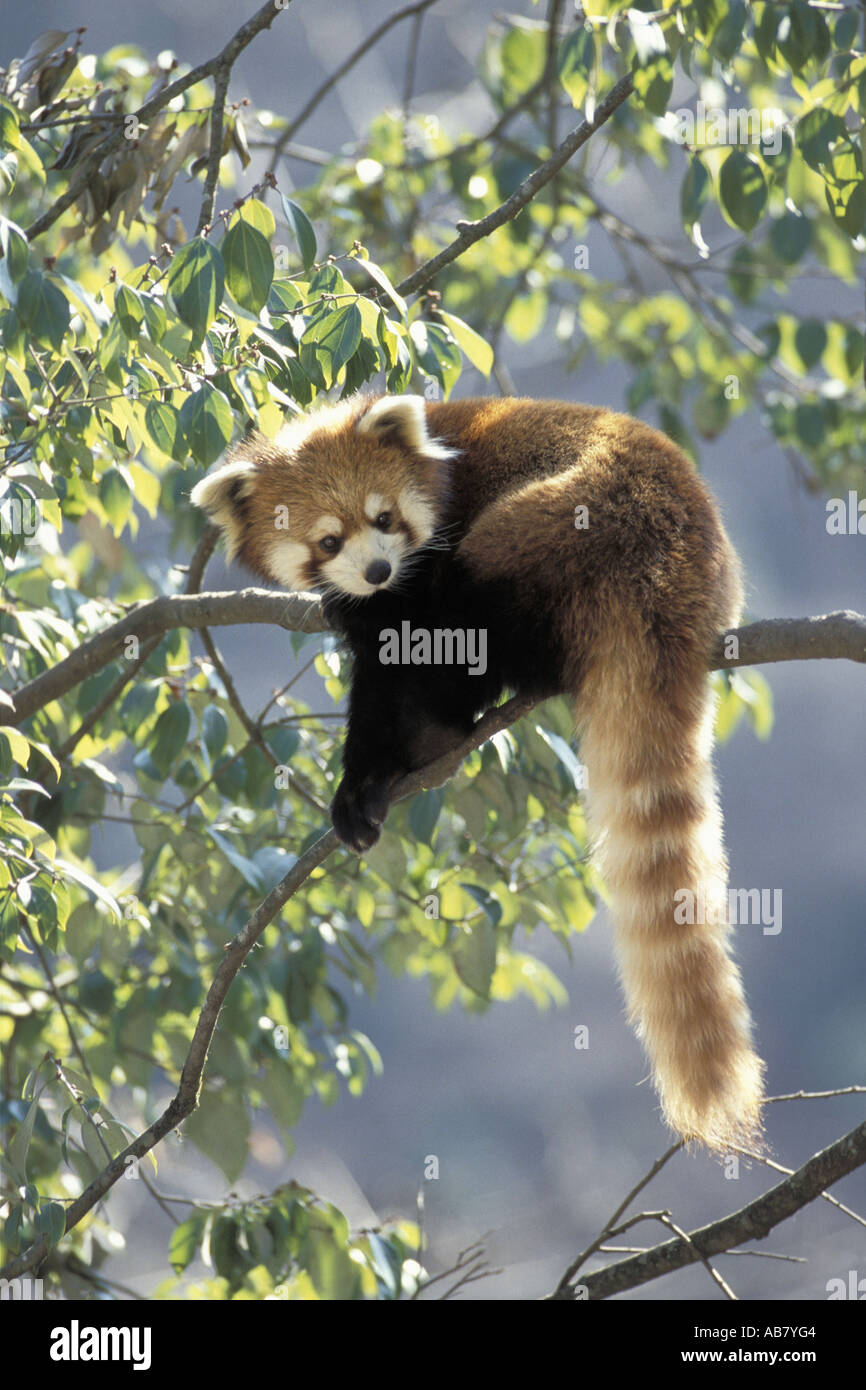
(357, 812)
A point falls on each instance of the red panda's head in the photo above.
(337, 501)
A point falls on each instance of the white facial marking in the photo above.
(374, 506)
(346, 571)
(287, 562)
(418, 513)
(217, 495)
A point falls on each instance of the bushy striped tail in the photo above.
(653, 810)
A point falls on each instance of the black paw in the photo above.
(357, 812)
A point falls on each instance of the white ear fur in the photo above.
(219, 493)
(403, 418)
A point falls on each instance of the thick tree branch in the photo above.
(752, 1222)
(262, 19)
(295, 612)
(468, 233)
(834, 635)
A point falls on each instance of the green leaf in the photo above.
(845, 29)
(575, 63)
(249, 872)
(333, 1272)
(475, 956)
(694, 192)
(436, 352)
(215, 730)
(790, 236)
(169, 735)
(743, 190)
(302, 227)
(8, 171)
(816, 132)
(129, 309)
(196, 282)
(809, 424)
(9, 132)
(728, 36)
(331, 340)
(16, 258)
(471, 344)
(220, 1128)
(424, 813)
(564, 753)
(376, 273)
(162, 423)
(523, 56)
(43, 309)
(206, 421)
(249, 264)
(487, 901)
(85, 881)
(116, 498)
(810, 340)
(20, 1145)
(51, 1222)
(185, 1241)
(258, 215)
(526, 315)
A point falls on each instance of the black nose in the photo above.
(378, 572)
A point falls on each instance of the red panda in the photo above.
(584, 546)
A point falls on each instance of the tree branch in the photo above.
(836, 635)
(339, 72)
(262, 19)
(295, 612)
(468, 233)
(839, 635)
(186, 1098)
(215, 150)
(752, 1222)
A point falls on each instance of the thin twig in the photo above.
(215, 151)
(339, 72)
(752, 1222)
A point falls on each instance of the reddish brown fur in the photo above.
(639, 597)
(328, 470)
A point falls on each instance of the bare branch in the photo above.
(752, 1222)
(215, 150)
(834, 635)
(295, 612)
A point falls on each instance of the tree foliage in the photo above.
(136, 344)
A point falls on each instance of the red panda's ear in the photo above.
(402, 420)
(222, 494)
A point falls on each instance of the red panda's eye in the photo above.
(383, 521)
(331, 544)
